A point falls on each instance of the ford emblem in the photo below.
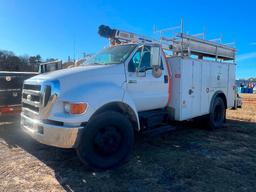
(29, 97)
(8, 78)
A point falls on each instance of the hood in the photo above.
(54, 75)
(77, 76)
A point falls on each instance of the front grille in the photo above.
(31, 97)
(47, 94)
(32, 87)
(31, 107)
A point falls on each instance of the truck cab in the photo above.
(126, 88)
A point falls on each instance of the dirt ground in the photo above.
(188, 159)
(248, 111)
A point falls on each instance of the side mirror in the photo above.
(157, 71)
(155, 62)
(155, 56)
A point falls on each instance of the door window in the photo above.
(145, 60)
(140, 60)
(135, 61)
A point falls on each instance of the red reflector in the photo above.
(10, 109)
(6, 109)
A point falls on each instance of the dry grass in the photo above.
(248, 110)
(190, 159)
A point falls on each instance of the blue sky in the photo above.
(51, 28)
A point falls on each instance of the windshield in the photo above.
(111, 55)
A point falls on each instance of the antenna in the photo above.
(182, 39)
(74, 49)
(182, 25)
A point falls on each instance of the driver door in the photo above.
(147, 91)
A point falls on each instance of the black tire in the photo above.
(107, 140)
(217, 114)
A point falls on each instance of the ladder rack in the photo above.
(187, 45)
(180, 44)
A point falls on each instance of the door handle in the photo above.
(190, 91)
(132, 81)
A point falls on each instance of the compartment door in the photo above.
(196, 88)
(186, 89)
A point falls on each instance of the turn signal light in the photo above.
(75, 108)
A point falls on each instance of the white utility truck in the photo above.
(131, 86)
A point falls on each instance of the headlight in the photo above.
(75, 108)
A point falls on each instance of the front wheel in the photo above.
(106, 141)
(217, 114)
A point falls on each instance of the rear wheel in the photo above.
(106, 141)
(217, 114)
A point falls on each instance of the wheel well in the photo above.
(123, 109)
(222, 96)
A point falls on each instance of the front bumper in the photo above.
(54, 135)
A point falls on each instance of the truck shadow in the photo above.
(157, 161)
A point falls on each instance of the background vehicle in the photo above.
(10, 91)
(130, 86)
(50, 66)
(11, 83)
